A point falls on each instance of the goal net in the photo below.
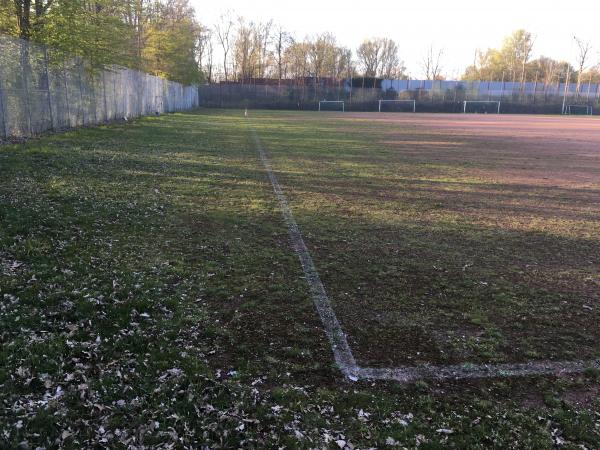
(481, 106)
(397, 106)
(332, 105)
(584, 110)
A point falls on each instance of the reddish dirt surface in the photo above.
(564, 150)
(454, 238)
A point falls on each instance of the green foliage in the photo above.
(511, 63)
(170, 50)
(160, 38)
(95, 32)
(8, 20)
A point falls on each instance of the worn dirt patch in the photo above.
(483, 227)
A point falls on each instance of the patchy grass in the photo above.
(149, 297)
(444, 243)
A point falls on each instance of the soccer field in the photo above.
(448, 239)
(168, 270)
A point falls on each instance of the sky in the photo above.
(459, 27)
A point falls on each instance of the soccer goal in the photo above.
(481, 106)
(585, 110)
(397, 106)
(332, 105)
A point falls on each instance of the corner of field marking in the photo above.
(337, 338)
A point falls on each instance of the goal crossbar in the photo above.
(497, 102)
(333, 101)
(412, 102)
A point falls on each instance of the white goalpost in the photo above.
(493, 104)
(411, 103)
(333, 102)
(586, 110)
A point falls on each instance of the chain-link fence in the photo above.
(43, 89)
(429, 96)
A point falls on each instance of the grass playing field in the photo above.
(448, 238)
(150, 294)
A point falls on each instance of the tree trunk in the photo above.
(23, 10)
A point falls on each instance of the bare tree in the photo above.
(378, 57)
(391, 66)
(584, 48)
(322, 55)
(342, 59)
(205, 52)
(296, 56)
(432, 63)
(515, 53)
(549, 69)
(368, 54)
(251, 49)
(282, 40)
(223, 30)
(262, 40)
(527, 47)
(244, 50)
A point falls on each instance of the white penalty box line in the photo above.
(337, 338)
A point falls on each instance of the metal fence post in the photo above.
(115, 97)
(93, 85)
(24, 65)
(2, 111)
(67, 93)
(46, 63)
(141, 93)
(81, 93)
(124, 94)
(106, 118)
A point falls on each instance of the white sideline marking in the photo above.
(465, 371)
(339, 344)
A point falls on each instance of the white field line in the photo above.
(465, 371)
(339, 345)
(337, 338)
